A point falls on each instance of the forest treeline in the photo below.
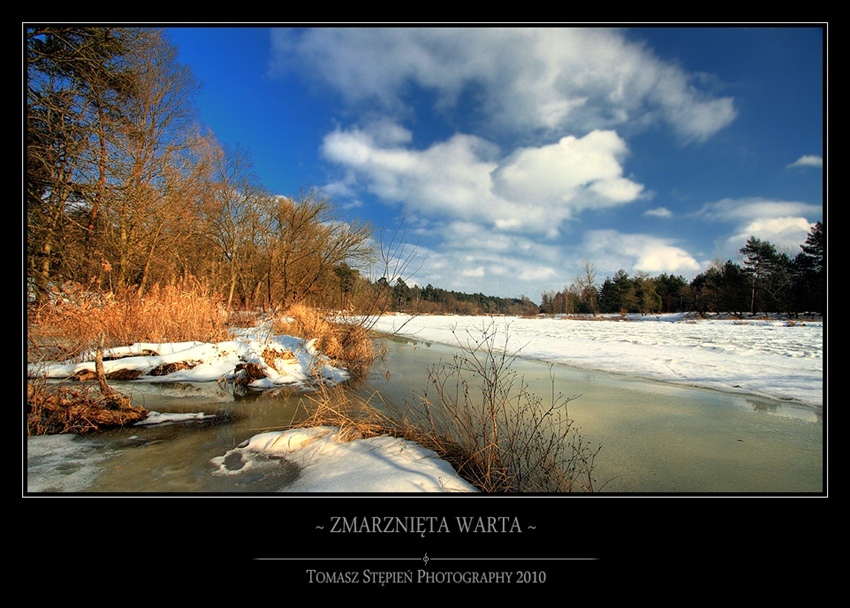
(126, 189)
(767, 280)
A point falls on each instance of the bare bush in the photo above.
(480, 416)
(514, 440)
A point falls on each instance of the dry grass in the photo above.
(57, 409)
(73, 321)
(510, 439)
(479, 416)
(76, 322)
(83, 409)
(362, 417)
(347, 345)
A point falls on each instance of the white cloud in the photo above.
(463, 179)
(786, 233)
(785, 224)
(339, 189)
(545, 80)
(611, 250)
(656, 257)
(450, 175)
(570, 173)
(658, 212)
(808, 160)
(753, 208)
(472, 259)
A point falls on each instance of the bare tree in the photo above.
(155, 168)
(308, 241)
(587, 290)
(76, 81)
(232, 205)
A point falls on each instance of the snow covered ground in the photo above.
(777, 359)
(379, 464)
(769, 358)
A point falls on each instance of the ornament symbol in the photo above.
(425, 559)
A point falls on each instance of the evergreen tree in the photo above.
(809, 270)
(760, 258)
(671, 290)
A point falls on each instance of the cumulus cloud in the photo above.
(808, 160)
(498, 219)
(787, 233)
(612, 250)
(463, 178)
(786, 224)
(545, 80)
(575, 173)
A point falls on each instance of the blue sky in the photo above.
(512, 156)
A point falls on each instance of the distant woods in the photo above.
(125, 190)
(766, 280)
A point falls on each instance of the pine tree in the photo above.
(759, 260)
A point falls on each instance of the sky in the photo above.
(772, 359)
(507, 159)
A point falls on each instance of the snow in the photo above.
(294, 362)
(160, 418)
(771, 358)
(379, 464)
(326, 462)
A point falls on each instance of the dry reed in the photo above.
(71, 322)
(81, 409)
(346, 344)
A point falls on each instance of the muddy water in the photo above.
(653, 437)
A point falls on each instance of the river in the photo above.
(653, 437)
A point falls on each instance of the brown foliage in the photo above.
(72, 321)
(348, 345)
(246, 373)
(60, 409)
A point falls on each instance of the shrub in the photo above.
(508, 438)
(479, 415)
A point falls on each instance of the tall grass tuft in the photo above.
(506, 438)
(348, 345)
(72, 322)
